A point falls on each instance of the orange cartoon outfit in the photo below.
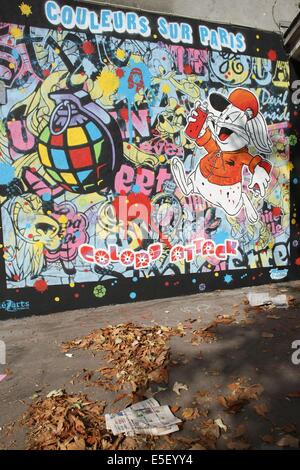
(224, 168)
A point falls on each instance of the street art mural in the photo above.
(141, 156)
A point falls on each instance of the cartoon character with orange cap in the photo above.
(229, 126)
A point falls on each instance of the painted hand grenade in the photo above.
(81, 148)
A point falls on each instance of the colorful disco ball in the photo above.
(81, 148)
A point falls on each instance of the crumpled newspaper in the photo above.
(145, 417)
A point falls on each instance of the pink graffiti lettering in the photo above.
(147, 180)
(20, 138)
(205, 248)
(162, 147)
(102, 257)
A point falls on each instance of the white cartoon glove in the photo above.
(192, 117)
(260, 181)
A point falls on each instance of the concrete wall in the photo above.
(261, 14)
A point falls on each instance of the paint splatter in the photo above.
(188, 69)
(16, 32)
(135, 189)
(108, 82)
(88, 47)
(272, 55)
(26, 9)
(7, 173)
(276, 211)
(121, 54)
(88, 66)
(220, 237)
(46, 197)
(120, 73)
(228, 278)
(40, 286)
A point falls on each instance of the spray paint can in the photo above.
(193, 129)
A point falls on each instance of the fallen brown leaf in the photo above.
(261, 409)
(197, 447)
(289, 428)
(202, 398)
(240, 431)
(248, 392)
(78, 444)
(238, 445)
(210, 430)
(268, 439)
(265, 334)
(120, 397)
(241, 394)
(231, 404)
(175, 408)
(189, 414)
(288, 441)
(294, 394)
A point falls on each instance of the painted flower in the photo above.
(142, 261)
(280, 147)
(99, 291)
(102, 258)
(293, 140)
(127, 258)
(177, 255)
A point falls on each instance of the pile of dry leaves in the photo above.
(71, 422)
(138, 355)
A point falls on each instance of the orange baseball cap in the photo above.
(244, 99)
(240, 97)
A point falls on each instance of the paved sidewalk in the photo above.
(256, 347)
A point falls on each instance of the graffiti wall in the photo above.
(141, 156)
